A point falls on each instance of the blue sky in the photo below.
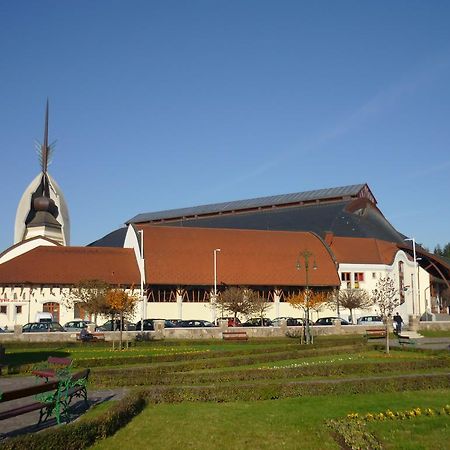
(165, 104)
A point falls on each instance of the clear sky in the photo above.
(165, 104)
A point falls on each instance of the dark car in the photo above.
(42, 327)
(195, 324)
(256, 322)
(149, 324)
(114, 325)
(330, 321)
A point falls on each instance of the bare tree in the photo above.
(352, 299)
(260, 305)
(237, 300)
(90, 295)
(385, 296)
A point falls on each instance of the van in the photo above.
(44, 317)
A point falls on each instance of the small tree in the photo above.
(352, 299)
(260, 306)
(385, 296)
(90, 295)
(306, 301)
(120, 304)
(237, 300)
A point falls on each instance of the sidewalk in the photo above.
(26, 423)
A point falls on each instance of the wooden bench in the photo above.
(2, 358)
(406, 340)
(57, 402)
(375, 333)
(45, 407)
(235, 335)
(96, 337)
(53, 367)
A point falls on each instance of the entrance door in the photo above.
(53, 309)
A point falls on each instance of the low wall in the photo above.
(434, 326)
(194, 333)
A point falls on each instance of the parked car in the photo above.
(36, 327)
(114, 325)
(290, 321)
(330, 321)
(77, 325)
(149, 324)
(195, 324)
(256, 322)
(232, 322)
(370, 320)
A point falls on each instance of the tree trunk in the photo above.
(387, 336)
(120, 328)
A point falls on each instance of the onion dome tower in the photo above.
(42, 210)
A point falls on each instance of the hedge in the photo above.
(145, 375)
(141, 377)
(272, 391)
(120, 360)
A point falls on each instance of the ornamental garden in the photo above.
(340, 392)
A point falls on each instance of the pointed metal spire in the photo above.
(45, 149)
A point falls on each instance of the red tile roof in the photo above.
(184, 256)
(69, 265)
(362, 250)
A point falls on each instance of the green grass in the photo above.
(420, 433)
(435, 333)
(288, 424)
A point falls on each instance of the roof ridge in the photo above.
(251, 203)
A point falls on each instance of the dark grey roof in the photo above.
(319, 218)
(114, 239)
(342, 192)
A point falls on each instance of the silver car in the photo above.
(77, 325)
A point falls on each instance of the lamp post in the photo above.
(141, 271)
(216, 250)
(416, 273)
(306, 255)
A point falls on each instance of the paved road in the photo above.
(27, 422)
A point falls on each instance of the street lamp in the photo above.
(141, 271)
(306, 255)
(416, 273)
(216, 250)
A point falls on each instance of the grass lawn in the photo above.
(288, 424)
(421, 433)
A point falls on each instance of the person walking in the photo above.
(398, 323)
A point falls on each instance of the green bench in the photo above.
(50, 398)
(406, 340)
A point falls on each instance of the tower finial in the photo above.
(45, 149)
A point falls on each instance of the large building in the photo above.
(176, 260)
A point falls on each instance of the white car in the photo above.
(370, 320)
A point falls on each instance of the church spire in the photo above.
(45, 149)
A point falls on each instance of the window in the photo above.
(18, 309)
(359, 276)
(346, 276)
(374, 275)
(3, 309)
